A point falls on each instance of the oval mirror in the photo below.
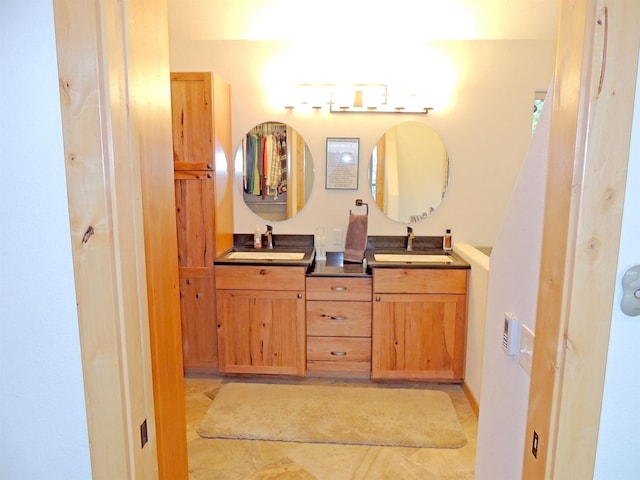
(275, 169)
(409, 172)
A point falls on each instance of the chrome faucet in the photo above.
(269, 236)
(410, 237)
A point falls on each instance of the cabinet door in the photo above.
(195, 218)
(197, 309)
(261, 331)
(191, 121)
(418, 336)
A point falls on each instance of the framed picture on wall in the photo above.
(342, 163)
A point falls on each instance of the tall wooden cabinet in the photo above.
(200, 113)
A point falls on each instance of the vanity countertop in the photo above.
(456, 261)
(422, 245)
(279, 255)
(335, 266)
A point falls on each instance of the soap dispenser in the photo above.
(446, 240)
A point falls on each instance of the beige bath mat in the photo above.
(328, 414)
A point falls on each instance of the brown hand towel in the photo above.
(356, 241)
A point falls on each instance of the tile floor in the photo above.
(211, 459)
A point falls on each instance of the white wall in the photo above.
(617, 454)
(487, 129)
(43, 425)
(513, 287)
(476, 315)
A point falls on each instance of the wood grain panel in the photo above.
(261, 331)
(595, 79)
(339, 288)
(197, 311)
(150, 104)
(339, 354)
(195, 221)
(419, 336)
(329, 318)
(258, 277)
(191, 118)
(428, 280)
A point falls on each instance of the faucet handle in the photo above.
(269, 228)
(409, 230)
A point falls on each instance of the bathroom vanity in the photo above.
(401, 319)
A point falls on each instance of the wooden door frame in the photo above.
(113, 62)
(594, 90)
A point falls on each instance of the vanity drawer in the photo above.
(339, 353)
(259, 277)
(348, 319)
(339, 288)
(427, 280)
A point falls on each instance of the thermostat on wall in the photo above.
(510, 334)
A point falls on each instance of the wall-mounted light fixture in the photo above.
(363, 98)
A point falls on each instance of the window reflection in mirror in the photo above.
(276, 171)
(409, 172)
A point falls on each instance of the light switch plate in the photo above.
(525, 352)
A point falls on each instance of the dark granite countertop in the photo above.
(334, 266)
(421, 246)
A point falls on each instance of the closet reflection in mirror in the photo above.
(409, 172)
(276, 169)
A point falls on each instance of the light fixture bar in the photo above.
(355, 98)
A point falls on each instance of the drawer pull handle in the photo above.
(339, 354)
(339, 289)
(262, 271)
(339, 317)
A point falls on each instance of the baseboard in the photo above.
(472, 400)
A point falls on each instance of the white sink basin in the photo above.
(266, 255)
(413, 258)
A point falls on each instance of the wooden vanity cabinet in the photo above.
(419, 324)
(261, 319)
(339, 326)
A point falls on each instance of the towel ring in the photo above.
(359, 203)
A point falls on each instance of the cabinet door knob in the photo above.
(299, 295)
(339, 354)
(263, 271)
(377, 299)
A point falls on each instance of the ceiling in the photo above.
(335, 21)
